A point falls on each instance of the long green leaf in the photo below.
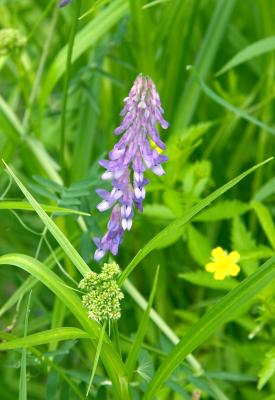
(69, 250)
(110, 358)
(253, 50)
(22, 205)
(219, 314)
(180, 222)
(45, 337)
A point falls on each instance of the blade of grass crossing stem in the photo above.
(45, 337)
(23, 369)
(219, 314)
(69, 250)
(133, 353)
(208, 50)
(97, 354)
(111, 360)
(180, 222)
(65, 89)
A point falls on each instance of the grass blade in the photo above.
(253, 50)
(21, 205)
(97, 354)
(23, 369)
(45, 337)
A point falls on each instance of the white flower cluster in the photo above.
(103, 295)
(11, 40)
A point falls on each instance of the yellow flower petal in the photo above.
(234, 270)
(211, 267)
(218, 254)
(234, 256)
(220, 274)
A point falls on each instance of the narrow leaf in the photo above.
(45, 337)
(253, 50)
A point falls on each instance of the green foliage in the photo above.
(65, 72)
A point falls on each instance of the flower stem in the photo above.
(65, 89)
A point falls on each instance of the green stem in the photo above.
(65, 89)
(41, 66)
(97, 354)
(116, 337)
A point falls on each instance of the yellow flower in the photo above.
(223, 264)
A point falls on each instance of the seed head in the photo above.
(103, 295)
(11, 41)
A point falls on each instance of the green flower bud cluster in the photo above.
(103, 295)
(11, 40)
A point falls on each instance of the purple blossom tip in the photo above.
(128, 161)
(63, 3)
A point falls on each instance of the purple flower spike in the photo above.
(128, 161)
(63, 3)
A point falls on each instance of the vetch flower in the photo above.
(223, 264)
(128, 161)
(103, 295)
(63, 3)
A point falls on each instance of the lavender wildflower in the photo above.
(128, 161)
(63, 3)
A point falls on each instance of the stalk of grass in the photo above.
(65, 88)
(97, 354)
(41, 66)
(23, 369)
